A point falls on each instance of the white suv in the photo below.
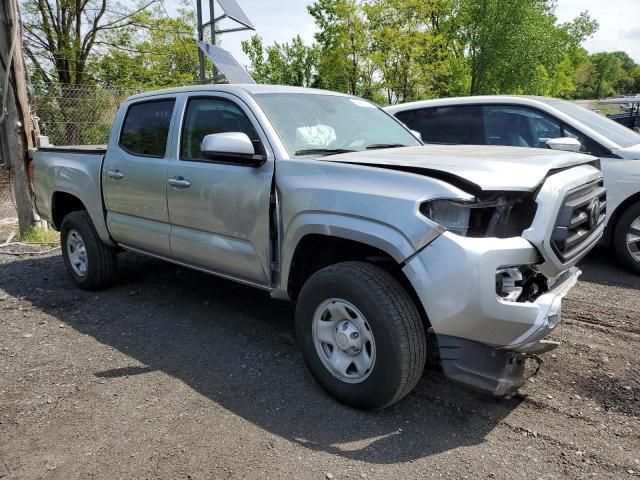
(542, 122)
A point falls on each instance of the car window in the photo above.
(146, 128)
(449, 125)
(205, 116)
(519, 127)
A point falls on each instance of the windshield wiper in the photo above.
(324, 151)
(384, 145)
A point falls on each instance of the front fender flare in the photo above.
(363, 230)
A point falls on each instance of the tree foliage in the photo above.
(386, 50)
(61, 35)
(402, 50)
(287, 64)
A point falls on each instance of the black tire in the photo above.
(620, 238)
(102, 261)
(398, 331)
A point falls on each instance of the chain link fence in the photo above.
(78, 115)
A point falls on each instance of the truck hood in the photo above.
(479, 168)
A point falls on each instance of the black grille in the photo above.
(582, 213)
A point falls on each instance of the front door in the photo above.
(134, 177)
(220, 211)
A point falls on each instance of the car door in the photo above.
(134, 176)
(220, 208)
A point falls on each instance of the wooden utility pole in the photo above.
(15, 130)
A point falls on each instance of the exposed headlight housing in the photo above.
(451, 214)
(502, 215)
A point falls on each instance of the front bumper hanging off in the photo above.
(484, 340)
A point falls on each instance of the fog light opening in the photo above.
(509, 284)
(553, 320)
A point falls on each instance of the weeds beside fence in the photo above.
(77, 115)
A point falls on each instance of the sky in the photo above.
(281, 20)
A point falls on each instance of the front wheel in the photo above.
(360, 334)
(626, 238)
(90, 263)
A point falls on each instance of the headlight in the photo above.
(502, 215)
(452, 215)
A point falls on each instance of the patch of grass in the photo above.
(39, 235)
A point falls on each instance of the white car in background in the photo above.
(542, 122)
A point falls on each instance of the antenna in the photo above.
(221, 58)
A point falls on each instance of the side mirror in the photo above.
(566, 144)
(416, 134)
(232, 147)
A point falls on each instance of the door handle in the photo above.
(179, 182)
(116, 174)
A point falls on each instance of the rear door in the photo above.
(134, 176)
(445, 125)
(219, 209)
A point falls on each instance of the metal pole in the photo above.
(201, 38)
(212, 22)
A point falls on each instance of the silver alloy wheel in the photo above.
(633, 239)
(343, 340)
(77, 253)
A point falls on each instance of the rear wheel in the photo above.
(626, 238)
(360, 334)
(90, 263)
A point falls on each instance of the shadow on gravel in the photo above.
(603, 267)
(617, 394)
(235, 345)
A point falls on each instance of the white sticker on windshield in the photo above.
(362, 103)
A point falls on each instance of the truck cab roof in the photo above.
(250, 89)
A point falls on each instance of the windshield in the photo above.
(317, 125)
(619, 134)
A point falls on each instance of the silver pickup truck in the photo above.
(325, 199)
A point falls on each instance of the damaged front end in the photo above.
(498, 214)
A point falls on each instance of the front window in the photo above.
(312, 124)
(519, 127)
(205, 116)
(618, 134)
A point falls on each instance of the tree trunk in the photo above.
(15, 131)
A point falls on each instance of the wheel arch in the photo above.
(315, 251)
(617, 213)
(62, 204)
(65, 201)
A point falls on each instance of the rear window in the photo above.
(146, 128)
(449, 125)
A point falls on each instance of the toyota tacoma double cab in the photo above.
(326, 200)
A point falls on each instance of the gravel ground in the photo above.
(174, 374)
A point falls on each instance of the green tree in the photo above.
(344, 62)
(405, 45)
(154, 52)
(283, 64)
(517, 47)
(607, 70)
(61, 35)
